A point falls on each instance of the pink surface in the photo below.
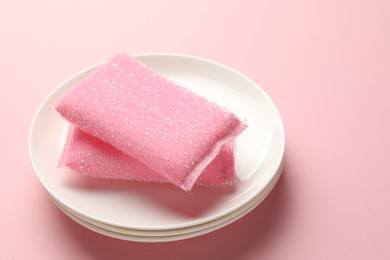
(168, 128)
(324, 63)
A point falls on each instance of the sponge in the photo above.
(151, 119)
(89, 156)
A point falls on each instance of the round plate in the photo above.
(152, 206)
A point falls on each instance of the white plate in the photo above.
(208, 226)
(172, 236)
(259, 151)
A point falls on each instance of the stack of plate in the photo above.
(154, 212)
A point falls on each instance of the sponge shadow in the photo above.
(165, 195)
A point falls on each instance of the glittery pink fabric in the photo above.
(92, 157)
(168, 128)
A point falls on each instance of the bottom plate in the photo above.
(174, 235)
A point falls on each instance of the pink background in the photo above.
(326, 65)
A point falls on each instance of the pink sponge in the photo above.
(90, 156)
(169, 129)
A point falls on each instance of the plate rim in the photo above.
(251, 204)
(169, 238)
